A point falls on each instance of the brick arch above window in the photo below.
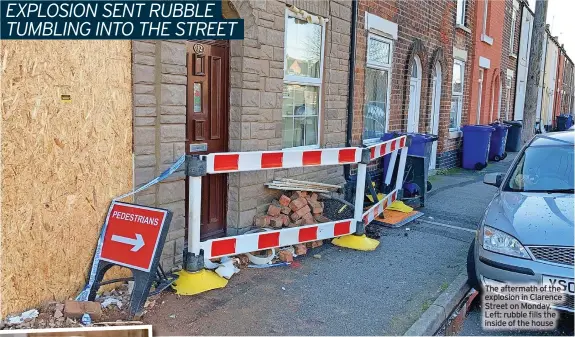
(416, 48)
(438, 56)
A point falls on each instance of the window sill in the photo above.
(453, 134)
(463, 28)
(513, 56)
(487, 39)
(299, 148)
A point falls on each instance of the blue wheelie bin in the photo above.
(476, 141)
(498, 141)
(417, 165)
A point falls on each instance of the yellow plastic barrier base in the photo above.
(400, 207)
(198, 282)
(357, 242)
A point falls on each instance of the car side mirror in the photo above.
(494, 179)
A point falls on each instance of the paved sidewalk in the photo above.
(345, 292)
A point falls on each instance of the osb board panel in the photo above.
(63, 162)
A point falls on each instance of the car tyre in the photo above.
(471, 273)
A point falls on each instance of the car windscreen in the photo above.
(543, 169)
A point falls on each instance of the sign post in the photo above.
(134, 238)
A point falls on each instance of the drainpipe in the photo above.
(354, 10)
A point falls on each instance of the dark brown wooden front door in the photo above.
(207, 123)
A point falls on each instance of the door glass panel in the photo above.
(197, 97)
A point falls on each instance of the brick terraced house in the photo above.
(405, 58)
(284, 86)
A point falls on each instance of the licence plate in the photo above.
(566, 284)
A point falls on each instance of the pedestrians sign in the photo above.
(132, 235)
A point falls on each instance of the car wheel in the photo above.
(471, 274)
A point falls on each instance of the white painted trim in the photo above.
(463, 28)
(454, 134)
(318, 82)
(487, 39)
(484, 62)
(460, 54)
(376, 24)
(510, 72)
(381, 66)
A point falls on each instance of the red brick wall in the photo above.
(432, 25)
(509, 56)
(559, 85)
(491, 76)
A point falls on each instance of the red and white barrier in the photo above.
(246, 243)
(264, 160)
(375, 210)
(387, 147)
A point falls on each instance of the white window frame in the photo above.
(485, 13)
(459, 96)
(460, 12)
(380, 66)
(512, 36)
(304, 80)
(479, 94)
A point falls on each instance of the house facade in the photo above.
(568, 98)
(488, 72)
(526, 31)
(549, 83)
(509, 57)
(283, 86)
(404, 63)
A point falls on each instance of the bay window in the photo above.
(303, 64)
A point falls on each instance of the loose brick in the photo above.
(276, 222)
(262, 220)
(285, 256)
(294, 216)
(320, 218)
(286, 210)
(299, 222)
(303, 211)
(297, 204)
(314, 244)
(308, 219)
(300, 249)
(317, 210)
(284, 200)
(274, 210)
(76, 309)
(285, 219)
(313, 197)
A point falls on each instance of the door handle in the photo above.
(199, 147)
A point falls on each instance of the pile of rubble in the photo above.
(110, 308)
(293, 209)
(298, 209)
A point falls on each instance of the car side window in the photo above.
(516, 181)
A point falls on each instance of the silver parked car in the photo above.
(526, 235)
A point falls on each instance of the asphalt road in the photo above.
(345, 292)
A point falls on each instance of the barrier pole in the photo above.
(358, 240)
(194, 278)
(194, 214)
(401, 171)
(390, 168)
(359, 196)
